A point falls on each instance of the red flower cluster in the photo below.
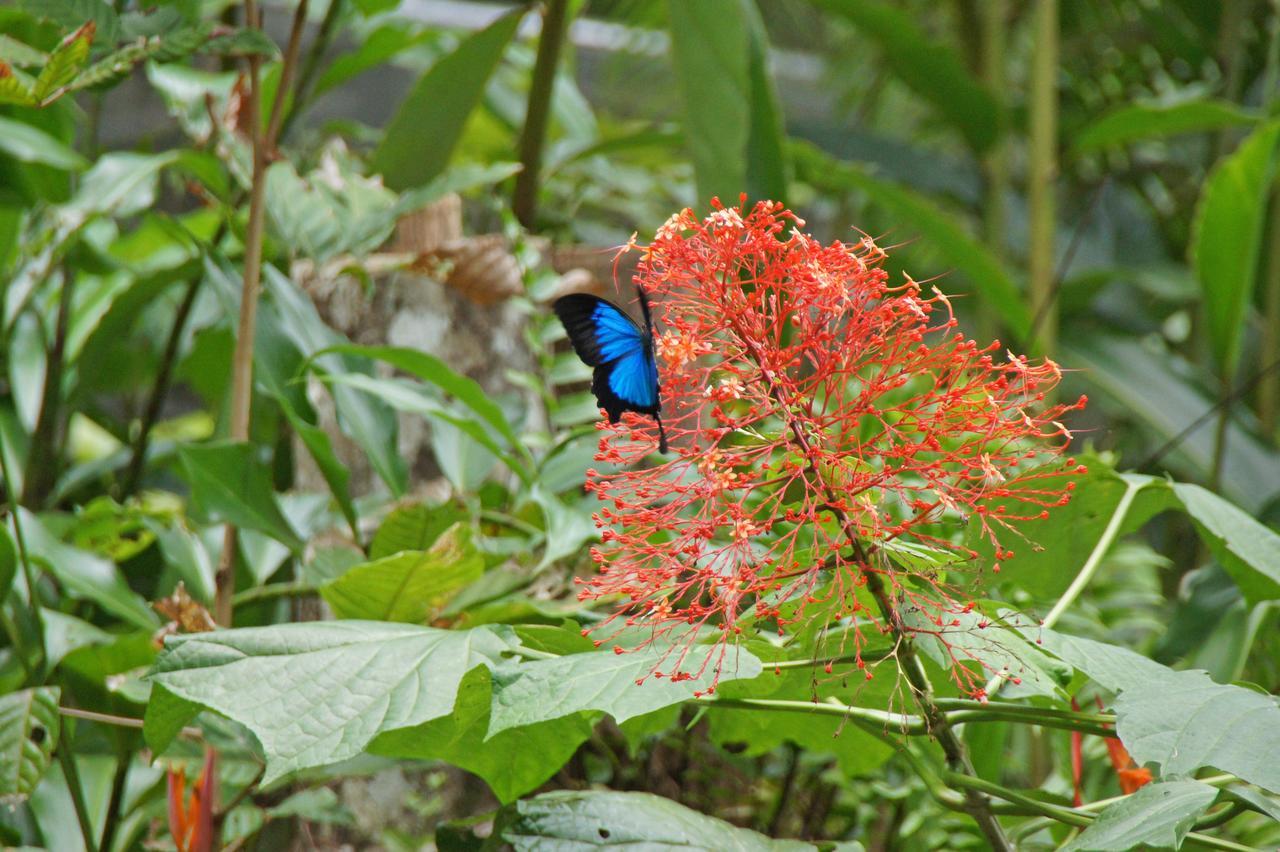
(823, 423)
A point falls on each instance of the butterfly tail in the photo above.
(662, 435)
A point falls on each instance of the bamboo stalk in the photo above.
(1042, 170)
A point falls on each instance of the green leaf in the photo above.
(512, 763)
(930, 68)
(84, 575)
(14, 89)
(420, 140)
(64, 63)
(230, 485)
(8, 562)
(317, 693)
(1137, 122)
(944, 232)
(1179, 720)
(528, 692)
(434, 371)
(1056, 548)
(414, 526)
(1001, 651)
(1185, 721)
(121, 183)
(1158, 816)
(1227, 237)
(31, 145)
(318, 444)
(1151, 385)
(20, 53)
(410, 586)
(166, 716)
(732, 122)
(1249, 551)
(459, 178)
(571, 820)
(29, 727)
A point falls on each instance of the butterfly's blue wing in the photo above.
(626, 376)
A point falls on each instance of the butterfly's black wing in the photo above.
(626, 376)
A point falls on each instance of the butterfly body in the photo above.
(625, 374)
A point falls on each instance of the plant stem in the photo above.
(995, 162)
(24, 558)
(1269, 390)
(242, 359)
(71, 774)
(286, 75)
(784, 792)
(865, 717)
(159, 390)
(306, 77)
(533, 137)
(42, 462)
(116, 802)
(1042, 169)
(274, 590)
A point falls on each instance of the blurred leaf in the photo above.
(414, 526)
(408, 586)
(928, 67)
(945, 232)
(84, 575)
(31, 145)
(319, 804)
(1158, 816)
(512, 762)
(536, 691)
(467, 391)
(1149, 386)
(1227, 237)
(374, 50)
(65, 633)
(1136, 122)
(320, 446)
(68, 14)
(1056, 548)
(8, 563)
(29, 728)
(64, 63)
(230, 485)
(317, 693)
(568, 528)
(440, 104)
(732, 122)
(19, 53)
(331, 211)
(459, 178)
(14, 89)
(1249, 551)
(580, 820)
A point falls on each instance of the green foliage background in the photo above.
(450, 647)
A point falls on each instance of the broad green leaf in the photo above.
(1184, 721)
(29, 727)
(1151, 385)
(414, 526)
(731, 117)
(568, 528)
(1180, 720)
(64, 63)
(374, 49)
(230, 485)
(420, 140)
(1227, 237)
(65, 633)
(930, 68)
(1158, 816)
(410, 586)
(434, 371)
(317, 693)
(990, 648)
(459, 178)
(1053, 550)
(1248, 550)
(512, 762)
(581, 820)
(84, 575)
(166, 716)
(944, 232)
(1137, 122)
(32, 145)
(528, 692)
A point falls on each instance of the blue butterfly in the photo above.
(626, 374)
